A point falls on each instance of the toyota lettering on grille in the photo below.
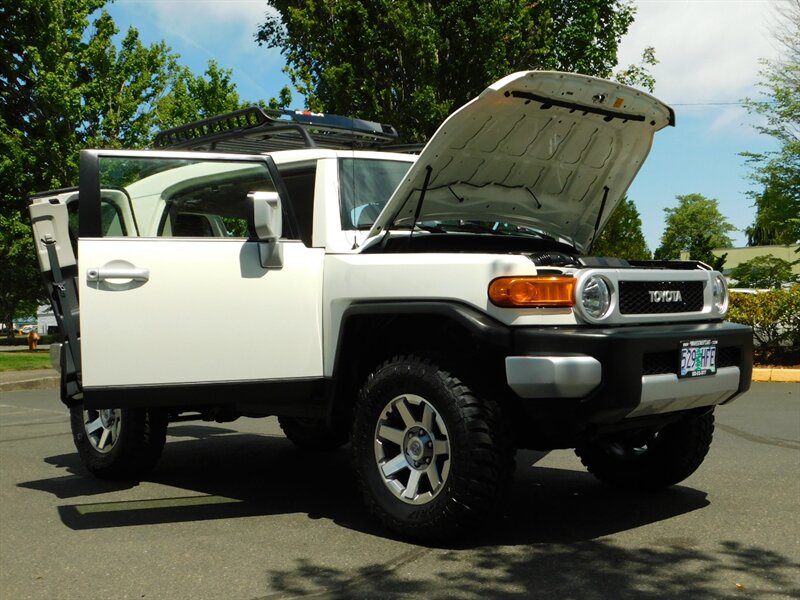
(665, 296)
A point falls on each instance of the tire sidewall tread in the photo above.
(141, 440)
(479, 463)
(680, 450)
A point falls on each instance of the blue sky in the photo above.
(709, 53)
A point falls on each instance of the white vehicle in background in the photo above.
(438, 311)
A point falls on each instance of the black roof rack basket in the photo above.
(254, 130)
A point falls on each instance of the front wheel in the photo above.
(430, 457)
(650, 459)
(118, 443)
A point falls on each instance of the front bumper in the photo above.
(614, 373)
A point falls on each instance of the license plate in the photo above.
(698, 358)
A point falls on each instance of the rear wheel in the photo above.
(118, 443)
(430, 457)
(650, 459)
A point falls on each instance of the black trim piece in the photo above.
(491, 331)
(622, 352)
(55, 192)
(286, 201)
(480, 324)
(290, 397)
(547, 102)
(89, 221)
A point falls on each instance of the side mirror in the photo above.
(265, 225)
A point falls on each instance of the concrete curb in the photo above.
(777, 375)
(39, 379)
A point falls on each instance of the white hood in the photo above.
(536, 149)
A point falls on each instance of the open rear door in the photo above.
(55, 249)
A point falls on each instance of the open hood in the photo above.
(547, 150)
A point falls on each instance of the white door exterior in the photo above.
(208, 312)
(163, 305)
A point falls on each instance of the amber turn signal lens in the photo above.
(532, 291)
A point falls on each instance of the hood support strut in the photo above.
(428, 171)
(390, 224)
(599, 216)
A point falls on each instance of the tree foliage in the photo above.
(640, 75)
(411, 63)
(66, 85)
(192, 97)
(622, 236)
(20, 281)
(763, 272)
(778, 173)
(696, 226)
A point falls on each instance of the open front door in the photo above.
(176, 307)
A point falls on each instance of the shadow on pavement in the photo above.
(218, 475)
(550, 542)
(595, 569)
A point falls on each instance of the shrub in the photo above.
(774, 316)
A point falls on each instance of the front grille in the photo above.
(727, 357)
(656, 297)
(659, 363)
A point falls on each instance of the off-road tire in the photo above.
(312, 434)
(654, 460)
(475, 472)
(130, 452)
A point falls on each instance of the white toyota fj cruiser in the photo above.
(437, 310)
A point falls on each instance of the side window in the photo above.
(365, 186)
(299, 184)
(112, 220)
(167, 197)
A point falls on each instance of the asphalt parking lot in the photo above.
(234, 511)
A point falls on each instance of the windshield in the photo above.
(365, 186)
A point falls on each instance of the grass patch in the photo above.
(21, 360)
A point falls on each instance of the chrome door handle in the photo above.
(95, 274)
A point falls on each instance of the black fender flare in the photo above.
(482, 326)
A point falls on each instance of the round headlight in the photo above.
(596, 297)
(720, 293)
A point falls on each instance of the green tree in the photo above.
(20, 281)
(622, 236)
(192, 97)
(411, 63)
(639, 75)
(763, 272)
(66, 85)
(778, 173)
(283, 100)
(696, 226)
